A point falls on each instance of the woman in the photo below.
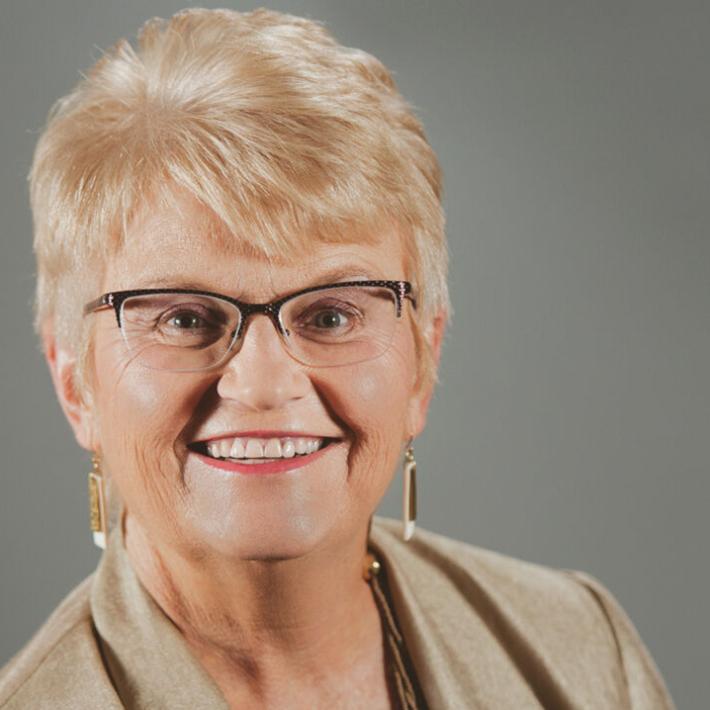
(241, 297)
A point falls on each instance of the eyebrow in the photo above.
(331, 276)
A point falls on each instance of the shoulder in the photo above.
(512, 581)
(490, 579)
(566, 617)
(61, 666)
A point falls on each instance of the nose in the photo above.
(261, 375)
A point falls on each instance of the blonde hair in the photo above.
(262, 117)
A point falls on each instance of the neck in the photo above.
(273, 622)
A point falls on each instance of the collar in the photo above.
(151, 665)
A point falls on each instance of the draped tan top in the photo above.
(482, 630)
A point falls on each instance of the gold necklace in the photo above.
(395, 650)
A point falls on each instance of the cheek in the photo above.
(141, 416)
(372, 400)
(372, 396)
(137, 403)
(135, 408)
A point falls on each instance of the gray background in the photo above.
(571, 425)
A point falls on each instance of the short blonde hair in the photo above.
(264, 118)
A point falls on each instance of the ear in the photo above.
(421, 397)
(62, 363)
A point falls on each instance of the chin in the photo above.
(270, 537)
(284, 516)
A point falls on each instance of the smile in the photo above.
(256, 450)
(261, 455)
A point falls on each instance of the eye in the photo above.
(186, 320)
(334, 315)
(330, 319)
(189, 319)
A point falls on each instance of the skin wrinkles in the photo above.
(262, 574)
(138, 450)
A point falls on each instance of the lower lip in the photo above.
(256, 469)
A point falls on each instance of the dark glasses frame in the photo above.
(115, 299)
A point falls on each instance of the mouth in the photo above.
(259, 453)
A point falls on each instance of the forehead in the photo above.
(185, 245)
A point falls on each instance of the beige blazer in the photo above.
(484, 631)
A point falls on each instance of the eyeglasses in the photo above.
(185, 330)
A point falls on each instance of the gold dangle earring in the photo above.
(97, 504)
(409, 498)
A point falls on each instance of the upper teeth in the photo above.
(240, 448)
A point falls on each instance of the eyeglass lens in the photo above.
(187, 332)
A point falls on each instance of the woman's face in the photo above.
(145, 422)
